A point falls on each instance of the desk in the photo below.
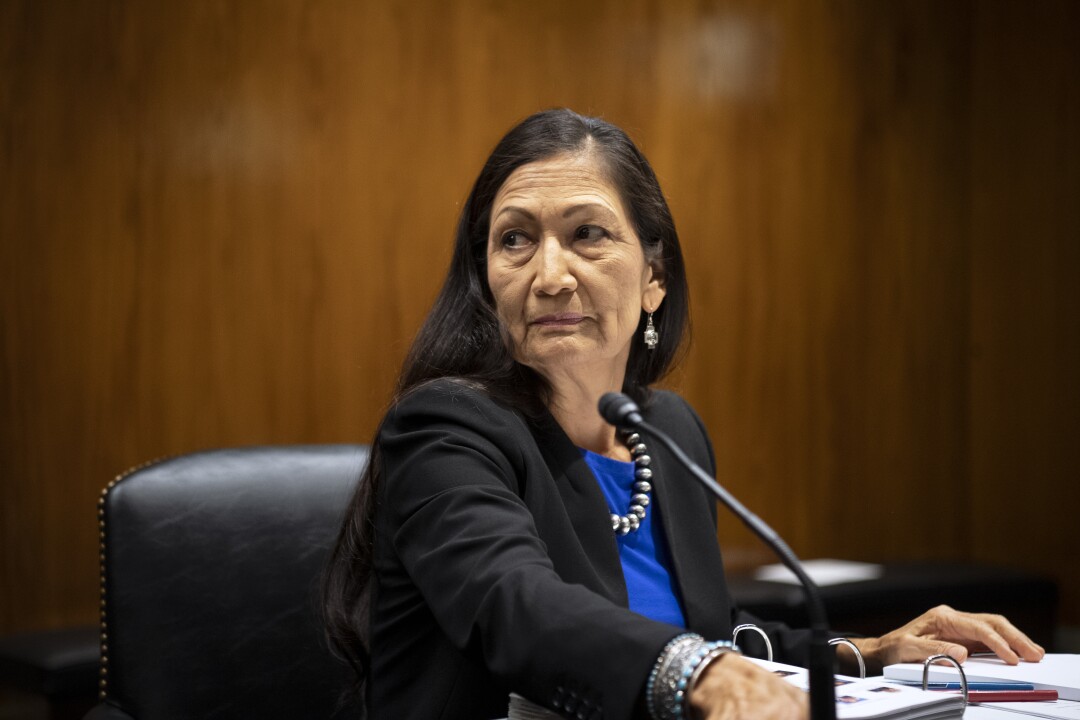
(58, 665)
(873, 607)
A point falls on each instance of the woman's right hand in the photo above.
(732, 688)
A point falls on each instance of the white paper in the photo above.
(822, 572)
(1056, 710)
(985, 712)
(1058, 671)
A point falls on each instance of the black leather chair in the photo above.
(210, 574)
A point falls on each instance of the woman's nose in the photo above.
(554, 272)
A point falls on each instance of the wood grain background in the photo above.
(222, 222)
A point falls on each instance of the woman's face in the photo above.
(567, 270)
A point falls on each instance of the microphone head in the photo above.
(619, 410)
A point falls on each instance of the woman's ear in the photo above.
(654, 292)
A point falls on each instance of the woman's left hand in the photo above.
(944, 631)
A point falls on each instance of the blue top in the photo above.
(646, 561)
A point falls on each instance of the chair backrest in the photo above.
(210, 574)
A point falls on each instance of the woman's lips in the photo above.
(558, 319)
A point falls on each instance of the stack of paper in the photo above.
(523, 709)
(874, 698)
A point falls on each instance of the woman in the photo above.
(504, 537)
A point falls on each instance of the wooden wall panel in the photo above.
(829, 281)
(1025, 292)
(222, 222)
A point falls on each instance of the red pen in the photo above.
(981, 696)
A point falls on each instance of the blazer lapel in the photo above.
(692, 542)
(585, 506)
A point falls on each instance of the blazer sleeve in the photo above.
(452, 509)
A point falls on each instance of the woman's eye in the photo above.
(513, 239)
(590, 232)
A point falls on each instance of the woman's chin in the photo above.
(553, 356)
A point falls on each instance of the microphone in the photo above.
(621, 411)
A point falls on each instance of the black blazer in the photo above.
(497, 570)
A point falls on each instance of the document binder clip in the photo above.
(954, 661)
(750, 626)
(858, 655)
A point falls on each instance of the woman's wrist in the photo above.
(681, 663)
(869, 647)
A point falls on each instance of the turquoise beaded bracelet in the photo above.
(677, 670)
(718, 649)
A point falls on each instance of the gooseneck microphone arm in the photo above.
(621, 411)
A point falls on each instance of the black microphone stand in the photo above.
(822, 688)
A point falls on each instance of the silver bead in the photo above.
(639, 501)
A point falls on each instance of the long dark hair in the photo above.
(462, 338)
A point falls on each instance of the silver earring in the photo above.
(651, 336)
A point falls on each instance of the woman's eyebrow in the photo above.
(515, 210)
(593, 206)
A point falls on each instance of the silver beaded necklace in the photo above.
(639, 500)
